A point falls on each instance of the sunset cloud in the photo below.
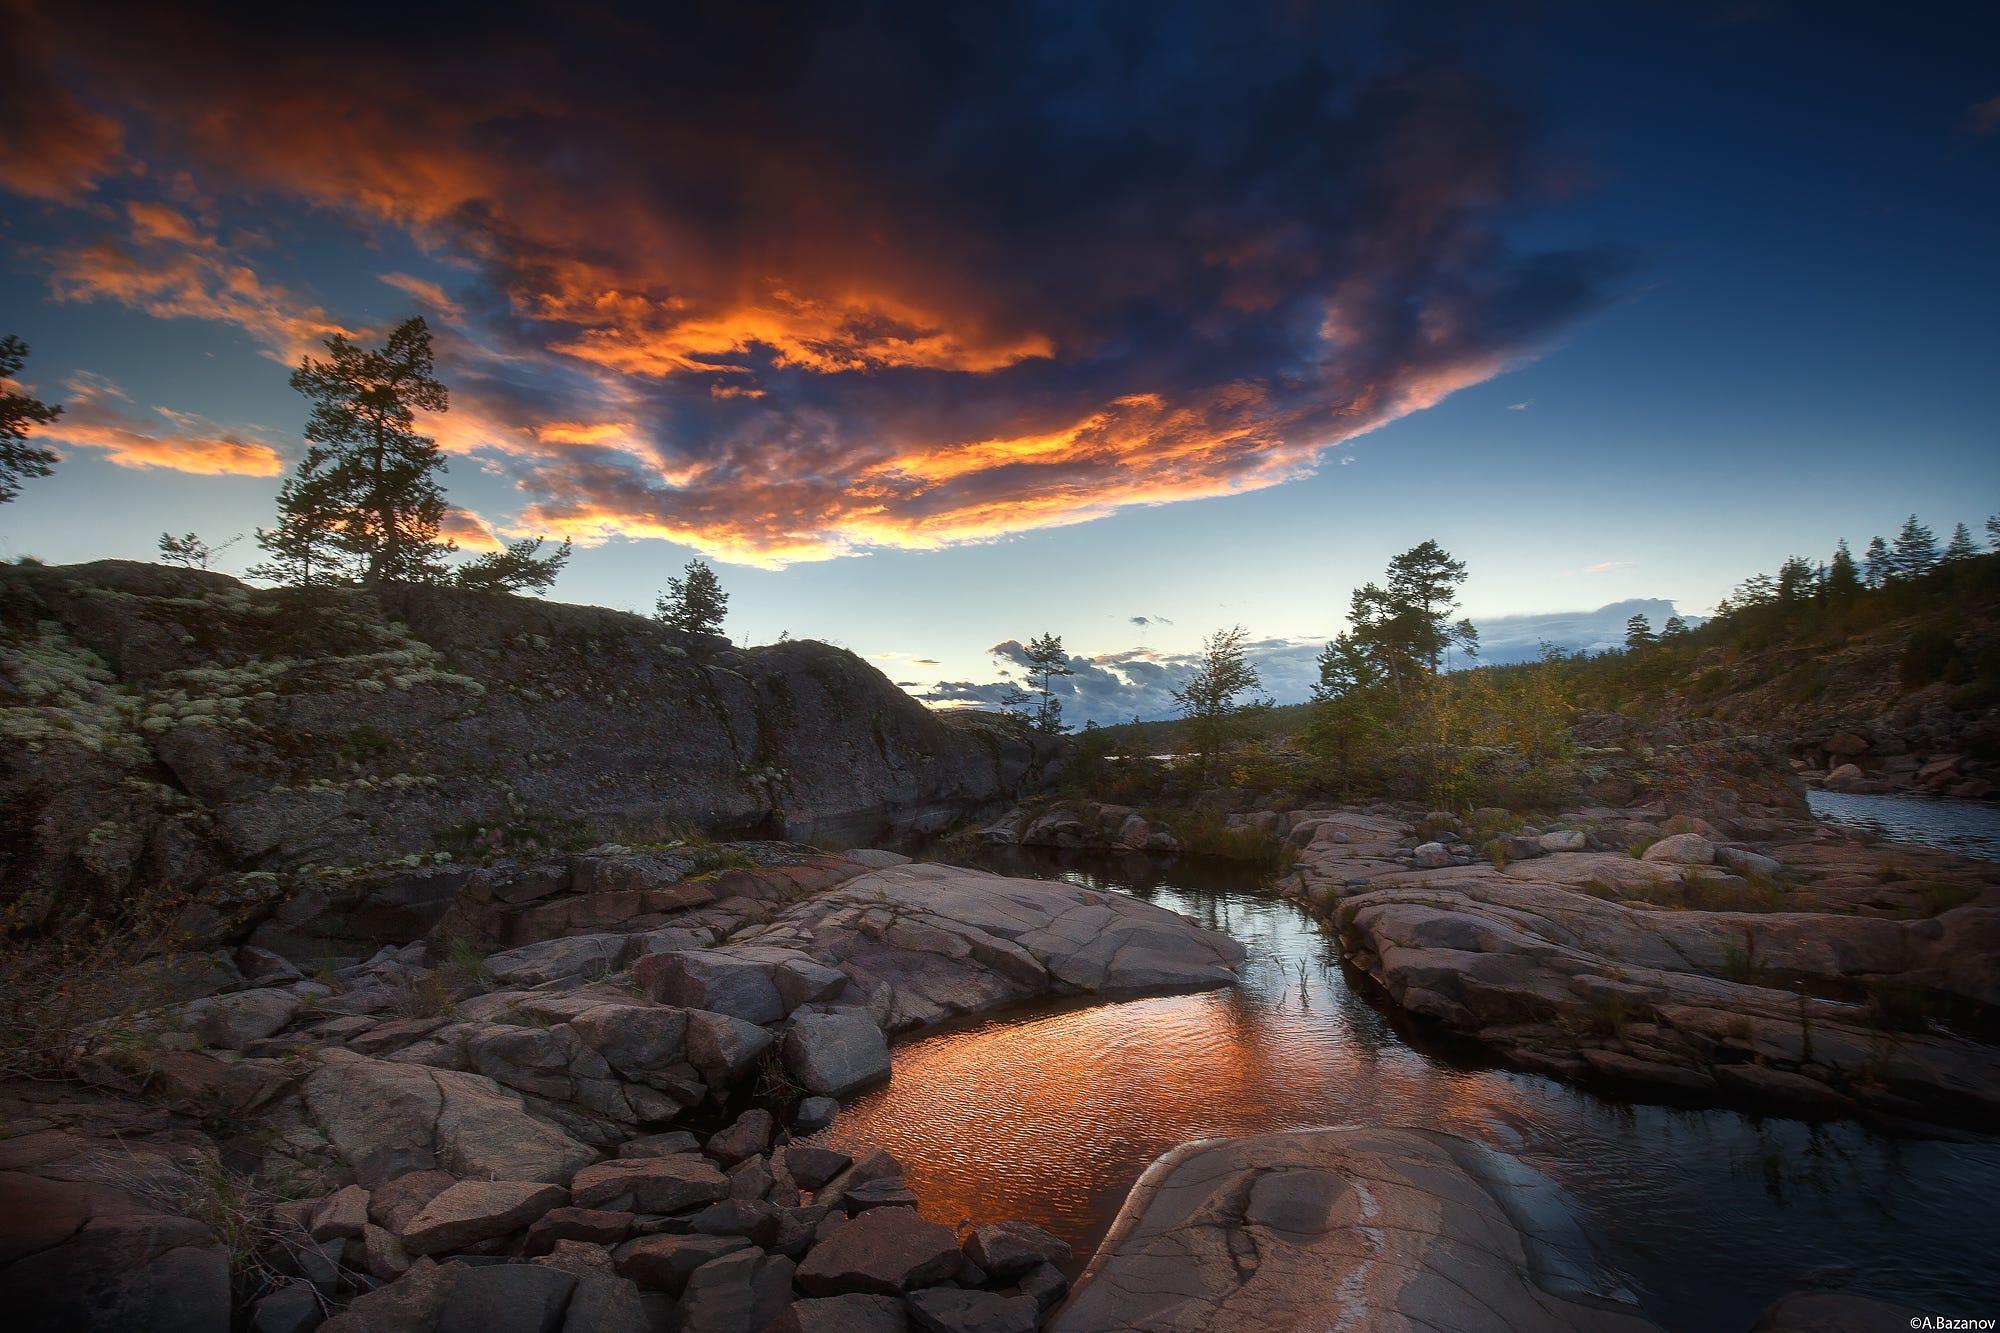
(98, 416)
(1021, 280)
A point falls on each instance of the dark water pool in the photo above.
(1970, 828)
(1707, 1215)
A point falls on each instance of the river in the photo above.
(1706, 1215)
(1970, 828)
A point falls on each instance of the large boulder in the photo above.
(385, 1119)
(835, 1055)
(715, 980)
(1390, 1228)
(745, 1289)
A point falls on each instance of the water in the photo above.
(1970, 828)
(1706, 1215)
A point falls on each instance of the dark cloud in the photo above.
(1143, 621)
(794, 282)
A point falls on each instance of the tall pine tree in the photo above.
(1916, 550)
(369, 470)
(18, 412)
(695, 602)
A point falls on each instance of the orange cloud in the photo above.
(92, 419)
(170, 269)
(429, 294)
(471, 531)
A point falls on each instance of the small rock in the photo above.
(231, 1022)
(669, 1144)
(578, 1259)
(507, 1298)
(812, 1164)
(1008, 1249)
(743, 1290)
(884, 1251)
(382, 1256)
(1746, 862)
(603, 1304)
(665, 1263)
(814, 1114)
(596, 1226)
(649, 1184)
(476, 1210)
(394, 1204)
(292, 1308)
(1045, 1284)
(723, 1048)
(843, 1314)
(944, 1310)
(341, 1215)
(719, 983)
(1431, 856)
(752, 1219)
(835, 1055)
(750, 1135)
(1687, 849)
(1564, 840)
(889, 1192)
(751, 1178)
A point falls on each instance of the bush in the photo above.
(1207, 833)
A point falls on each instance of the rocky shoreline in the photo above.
(555, 1136)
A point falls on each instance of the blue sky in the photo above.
(1715, 283)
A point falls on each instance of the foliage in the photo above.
(1047, 662)
(20, 411)
(367, 487)
(189, 551)
(1212, 699)
(517, 567)
(694, 603)
(1206, 832)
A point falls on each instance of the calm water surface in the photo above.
(1707, 1215)
(1970, 828)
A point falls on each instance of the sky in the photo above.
(939, 327)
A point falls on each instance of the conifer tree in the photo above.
(189, 551)
(1916, 550)
(1674, 628)
(19, 411)
(1843, 580)
(1047, 662)
(304, 548)
(1212, 699)
(517, 567)
(1961, 546)
(1877, 564)
(1639, 634)
(380, 475)
(695, 602)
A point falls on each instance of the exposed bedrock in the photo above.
(1385, 1229)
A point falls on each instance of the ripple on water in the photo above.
(1051, 1115)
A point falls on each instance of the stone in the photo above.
(602, 1304)
(1008, 1249)
(1442, 1247)
(383, 1257)
(723, 1048)
(384, 1119)
(641, 1042)
(747, 1136)
(392, 1205)
(1045, 1283)
(476, 1210)
(410, 1304)
(649, 1184)
(753, 1219)
(835, 1055)
(665, 1263)
(714, 981)
(669, 1144)
(889, 1192)
(597, 1226)
(751, 1178)
(232, 1022)
(1685, 849)
(88, 1256)
(854, 1313)
(800, 980)
(884, 1251)
(567, 958)
(507, 1298)
(340, 1215)
(746, 1289)
(814, 1114)
(1432, 856)
(944, 1310)
(1564, 840)
(873, 1164)
(1845, 775)
(813, 1164)
(577, 1258)
(1747, 863)
(292, 1308)
(264, 967)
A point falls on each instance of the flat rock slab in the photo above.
(940, 941)
(1350, 1227)
(883, 1252)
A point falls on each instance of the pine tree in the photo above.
(1345, 666)
(1047, 662)
(1639, 634)
(519, 567)
(18, 412)
(305, 548)
(1916, 550)
(1797, 580)
(381, 474)
(694, 603)
(1993, 532)
(189, 551)
(1843, 581)
(1961, 546)
(1878, 566)
(1674, 628)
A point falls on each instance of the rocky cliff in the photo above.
(162, 726)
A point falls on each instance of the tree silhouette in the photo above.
(518, 567)
(1639, 634)
(380, 475)
(1916, 550)
(695, 602)
(1047, 662)
(19, 411)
